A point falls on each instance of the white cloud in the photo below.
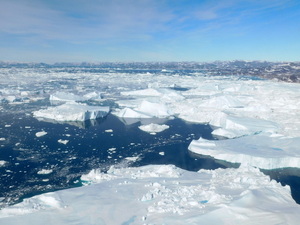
(106, 19)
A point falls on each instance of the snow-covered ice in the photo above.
(162, 195)
(72, 112)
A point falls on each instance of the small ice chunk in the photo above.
(41, 133)
(2, 162)
(44, 171)
(2, 139)
(132, 158)
(153, 128)
(109, 131)
(63, 141)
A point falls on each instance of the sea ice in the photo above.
(72, 112)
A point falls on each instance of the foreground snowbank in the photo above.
(72, 112)
(162, 195)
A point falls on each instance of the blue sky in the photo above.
(149, 30)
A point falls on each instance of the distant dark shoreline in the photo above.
(281, 71)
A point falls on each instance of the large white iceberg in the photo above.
(162, 195)
(233, 126)
(263, 151)
(72, 112)
(146, 109)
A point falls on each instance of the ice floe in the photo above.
(72, 112)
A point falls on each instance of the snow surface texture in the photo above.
(72, 112)
(162, 195)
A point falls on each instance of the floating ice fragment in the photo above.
(63, 141)
(2, 163)
(44, 171)
(132, 158)
(41, 133)
(153, 128)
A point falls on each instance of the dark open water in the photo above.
(91, 144)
